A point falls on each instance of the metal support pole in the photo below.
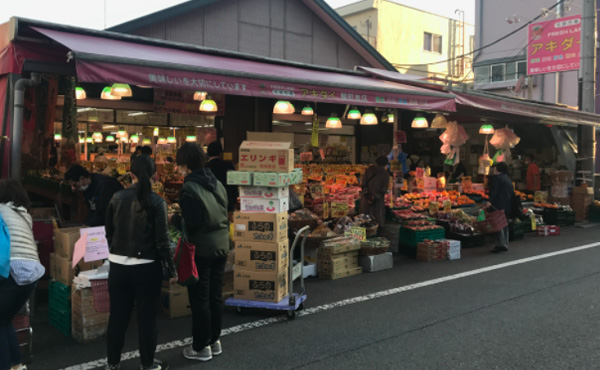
(557, 75)
(587, 134)
(16, 144)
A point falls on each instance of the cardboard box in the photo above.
(64, 273)
(260, 286)
(558, 177)
(338, 259)
(64, 241)
(52, 264)
(239, 178)
(324, 268)
(87, 334)
(261, 257)
(175, 302)
(271, 179)
(260, 227)
(265, 192)
(453, 249)
(560, 191)
(376, 263)
(343, 274)
(264, 156)
(338, 245)
(260, 205)
(579, 190)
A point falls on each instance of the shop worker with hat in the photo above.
(97, 190)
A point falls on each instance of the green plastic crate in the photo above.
(61, 320)
(412, 237)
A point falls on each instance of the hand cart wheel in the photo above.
(291, 314)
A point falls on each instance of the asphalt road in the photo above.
(538, 314)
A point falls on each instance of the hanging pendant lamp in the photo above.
(354, 113)
(208, 105)
(391, 118)
(89, 140)
(419, 122)
(190, 139)
(122, 90)
(333, 122)
(134, 139)
(97, 136)
(439, 121)
(283, 107)
(200, 95)
(80, 93)
(106, 95)
(110, 139)
(57, 137)
(161, 141)
(307, 111)
(368, 119)
(146, 142)
(486, 129)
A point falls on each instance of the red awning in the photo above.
(545, 113)
(103, 59)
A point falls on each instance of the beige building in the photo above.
(416, 42)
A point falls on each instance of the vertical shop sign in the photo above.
(69, 124)
(554, 46)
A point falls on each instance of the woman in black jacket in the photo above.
(136, 230)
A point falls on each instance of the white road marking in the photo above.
(310, 311)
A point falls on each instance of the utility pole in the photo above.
(559, 13)
(587, 134)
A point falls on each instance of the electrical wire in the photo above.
(485, 46)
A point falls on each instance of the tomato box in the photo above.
(261, 257)
(265, 192)
(260, 227)
(239, 178)
(260, 286)
(261, 205)
(272, 179)
(266, 156)
(548, 230)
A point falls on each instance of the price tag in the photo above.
(330, 180)
(339, 209)
(420, 173)
(358, 233)
(322, 153)
(341, 181)
(316, 190)
(325, 210)
(306, 157)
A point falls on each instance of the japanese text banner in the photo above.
(554, 46)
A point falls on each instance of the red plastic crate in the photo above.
(548, 230)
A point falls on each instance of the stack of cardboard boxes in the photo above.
(62, 271)
(581, 200)
(87, 324)
(562, 184)
(175, 301)
(338, 258)
(261, 227)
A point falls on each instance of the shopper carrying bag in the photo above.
(204, 217)
(25, 268)
(184, 259)
(140, 256)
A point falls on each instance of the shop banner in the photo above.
(554, 46)
(317, 91)
(182, 102)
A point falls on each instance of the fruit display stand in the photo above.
(414, 232)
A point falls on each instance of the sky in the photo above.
(90, 13)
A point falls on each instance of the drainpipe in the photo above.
(17, 127)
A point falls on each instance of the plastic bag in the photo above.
(484, 164)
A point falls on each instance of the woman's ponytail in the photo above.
(143, 168)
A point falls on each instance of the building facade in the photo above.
(498, 68)
(416, 42)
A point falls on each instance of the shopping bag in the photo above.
(484, 165)
(4, 250)
(187, 272)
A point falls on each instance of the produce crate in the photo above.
(594, 213)
(413, 237)
(517, 230)
(468, 241)
(559, 217)
(59, 307)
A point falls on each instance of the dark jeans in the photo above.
(12, 298)
(206, 301)
(128, 284)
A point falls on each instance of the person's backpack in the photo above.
(4, 250)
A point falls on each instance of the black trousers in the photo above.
(206, 302)
(128, 284)
(12, 298)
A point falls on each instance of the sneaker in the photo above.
(157, 365)
(216, 348)
(204, 355)
(112, 367)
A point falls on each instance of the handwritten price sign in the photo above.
(358, 233)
